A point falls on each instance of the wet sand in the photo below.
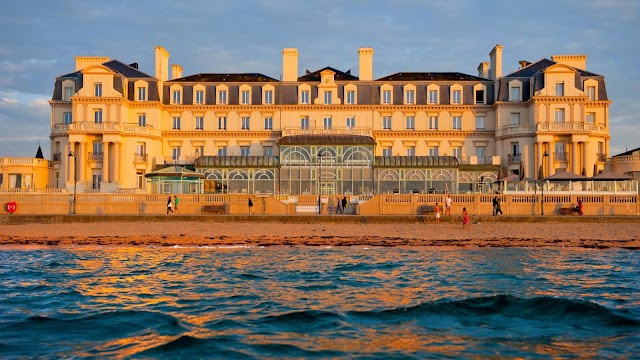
(187, 233)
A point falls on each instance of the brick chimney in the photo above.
(495, 70)
(289, 64)
(365, 57)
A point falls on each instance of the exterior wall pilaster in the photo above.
(105, 161)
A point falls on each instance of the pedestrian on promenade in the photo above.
(436, 209)
(344, 204)
(465, 219)
(338, 209)
(169, 205)
(447, 205)
(498, 210)
(176, 200)
(250, 206)
(580, 207)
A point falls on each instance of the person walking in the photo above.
(176, 200)
(436, 209)
(465, 219)
(169, 205)
(494, 202)
(447, 205)
(580, 207)
(498, 210)
(344, 204)
(338, 209)
(250, 206)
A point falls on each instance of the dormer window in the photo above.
(410, 97)
(199, 96)
(97, 89)
(222, 97)
(304, 97)
(176, 97)
(480, 94)
(267, 95)
(327, 97)
(515, 93)
(591, 93)
(244, 97)
(351, 97)
(142, 94)
(433, 96)
(560, 89)
(68, 93)
(386, 96)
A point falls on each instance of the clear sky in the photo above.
(39, 40)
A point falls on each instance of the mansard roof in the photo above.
(237, 161)
(220, 78)
(332, 139)
(339, 76)
(541, 65)
(117, 66)
(431, 76)
(415, 161)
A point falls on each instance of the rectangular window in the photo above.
(176, 97)
(481, 151)
(457, 151)
(200, 151)
(97, 148)
(142, 120)
(479, 96)
(199, 122)
(304, 97)
(457, 97)
(386, 151)
(68, 93)
(244, 151)
(559, 89)
(96, 180)
(268, 151)
(560, 149)
(386, 96)
(68, 118)
(175, 153)
(328, 95)
(97, 89)
(456, 123)
(199, 96)
(97, 116)
(222, 122)
(515, 94)
(433, 151)
(411, 151)
(559, 115)
(141, 148)
(515, 119)
(351, 122)
(245, 122)
(433, 96)
(304, 122)
(591, 117)
(222, 97)
(433, 123)
(142, 94)
(411, 122)
(327, 122)
(244, 97)
(386, 122)
(351, 97)
(222, 151)
(268, 97)
(591, 93)
(515, 149)
(410, 97)
(479, 122)
(176, 123)
(140, 179)
(268, 123)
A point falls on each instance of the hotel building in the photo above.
(326, 131)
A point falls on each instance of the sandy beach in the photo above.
(140, 233)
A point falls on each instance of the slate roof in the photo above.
(415, 161)
(117, 66)
(339, 76)
(629, 152)
(218, 78)
(431, 76)
(237, 161)
(540, 65)
(334, 139)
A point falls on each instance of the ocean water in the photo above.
(319, 302)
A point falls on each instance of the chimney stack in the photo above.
(524, 63)
(176, 71)
(495, 71)
(365, 56)
(483, 69)
(162, 63)
(289, 64)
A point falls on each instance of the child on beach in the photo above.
(465, 219)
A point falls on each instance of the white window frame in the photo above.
(433, 96)
(199, 97)
(456, 96)
(96, 147)
(245, 151)
(245, 97)
(560, 115)
(480, 122)
(268, 97)
(175, 122)
(222, 97)
(328, 97)
(141, 93)
(304, 96)
(456, 122)
(175, 153)
(304, 122)
(386, 122)
(516, 93)
(245, 123)
(591, 93)
(387, 151)
(456, 151)
(590, 118)
(481, 151)
(411, 151)
(67, 118)
(433, 122)
(351, 97)
(409, 96)
(410, 122)
(351, 122)
(97, 116)
(176, 97)
(434, 151)
(268, 123)
(222, 151)
(515, 119)
(222, 123)
(68, 93)
(560, 88)
(386, 97)
(97, 89)
(142, 119)
(327, 122)
(199, 122)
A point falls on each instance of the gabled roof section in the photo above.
(635, 151)
(339, 76)
(540, 65)
(218, 78)
(74, 74)
(431, 76)
(125, 69)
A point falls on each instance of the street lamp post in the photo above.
(75, 178)
(542, 173)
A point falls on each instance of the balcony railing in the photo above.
(95, 156)
(183, 160)
(92, 126)
(559, 127)
(602, 157)
(560, 156)
(140, 157)
(484, 160)
(57, 157)
(363, 131)
(514, 158)
(89, 126)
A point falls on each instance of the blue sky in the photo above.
(41, 38)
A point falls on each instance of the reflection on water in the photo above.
(319, 302)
